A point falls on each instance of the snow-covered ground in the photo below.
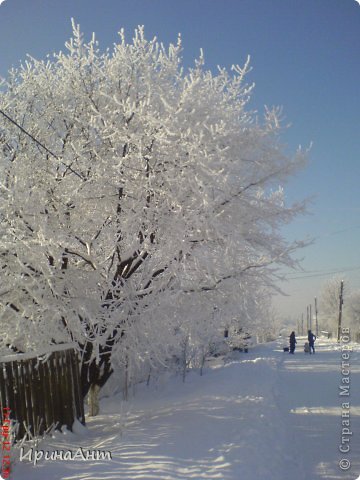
(262, 415)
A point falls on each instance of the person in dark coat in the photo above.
(311, 339)
(292, 342)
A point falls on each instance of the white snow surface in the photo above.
(262, 415)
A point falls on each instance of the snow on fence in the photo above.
(42, 390)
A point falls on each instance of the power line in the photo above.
(28, 134)
(40, 144)
(323, 274)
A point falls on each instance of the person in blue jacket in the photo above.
(292, 342)
(311, 339)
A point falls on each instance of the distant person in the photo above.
(292, 342)
(311, 339)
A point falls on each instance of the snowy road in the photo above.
(309, 396)
(265, 415)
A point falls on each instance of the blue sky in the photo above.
(305, 57)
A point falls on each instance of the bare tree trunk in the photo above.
(93, 373)
(126, 385)
(202, 363)
(185, 345)
(148, 378)
(93, 400)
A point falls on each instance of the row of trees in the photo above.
(156, 199)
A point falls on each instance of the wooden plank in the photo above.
(9, 387)
(3, 401)
(22, 398)
(46, 392)
(30, 419)
(18, 411)
(66, 390)
(75, 399)
(56, 388)
(37, 397)
(80, 414)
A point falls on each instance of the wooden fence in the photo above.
(42, 391)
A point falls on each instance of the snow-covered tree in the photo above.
(329, 304)
(131, 184)
(352, 310)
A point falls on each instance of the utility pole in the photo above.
(341, 301)
(307, 317)
(316, 318)
(302, 324)
(310, 316)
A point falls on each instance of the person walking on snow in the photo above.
(292, 342)
(311, 339)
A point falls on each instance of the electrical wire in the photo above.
(28, 134)
(322, 274)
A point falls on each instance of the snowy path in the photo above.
(266, 415)
(309, 397)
